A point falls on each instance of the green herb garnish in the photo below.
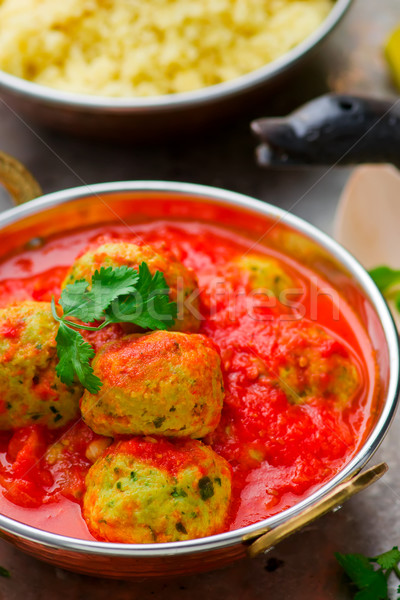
(371, 582)
(385, 277)
(388, 281)
(114, 295)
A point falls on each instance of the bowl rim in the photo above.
(192, 192)
(168, 102)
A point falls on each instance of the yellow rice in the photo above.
(148, 47)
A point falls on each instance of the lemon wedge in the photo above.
(392, 52)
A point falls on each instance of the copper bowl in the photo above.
(158, 115)
(141, 201)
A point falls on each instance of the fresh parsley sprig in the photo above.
(388, 281)
(114, 295)
(371, 582)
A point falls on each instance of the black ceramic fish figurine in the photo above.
(335, 129)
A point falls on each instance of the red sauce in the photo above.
(279, 452)
(160, 452)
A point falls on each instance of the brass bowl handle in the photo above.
(17, 180)
(334, 499)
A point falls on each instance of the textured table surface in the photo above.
(350, 61)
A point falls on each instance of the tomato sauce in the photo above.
(279, 451)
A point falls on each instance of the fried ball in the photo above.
(164, 383)
(266, 274)
(30, 391)
(148, 490)
(180, 280)
(317, 366)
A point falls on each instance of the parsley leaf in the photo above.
(377, 589)
(74, 355)
(72, 296)
(114, 295)
(371, 582)
(385, 277)
(88, 305)
(149, 307)
(388, 281)
(110, 283)
(5, 572)
(357, 567)
(389, 559)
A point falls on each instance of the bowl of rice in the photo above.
(146, 65)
